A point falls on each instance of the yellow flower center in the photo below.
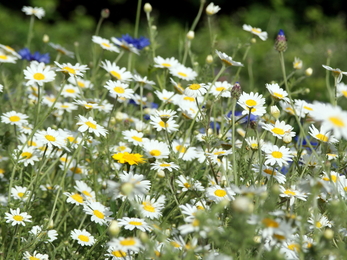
(278, 95)
(81, 84)
(136, 138)
(277, 154)
(195, 86)
(115, 74)
(83, 238)
(155, 152)
(148, 206)
(220, 89)
(18, 218)
(86, 193)
(90, 124)
(20, 194)
(69, 70)
(166, 64)
(26, 155)
(165, 165)
(119, 253)
(270, 223)
(318, 224)
(251, 102)
(135, 223)
(336, 121)
(254, 30)
(322, 137)
(191, 99)
(182, 74)
(270, 172)
(76, 170)
(333, 178)
(180, 148)
(50, 138)
(106, 45)
(174, 244)
(70, 90)
(278, 131)
(33, 258)
(308, 108)
(195, 223)
(290, 192)
(3, 57)
(77, 198)
(98, 214)
(119, 90)
(220, 193)
(128, 242)
(163, 124)
(14, 118)
(227, 62)
(39, 76)
(187, 185)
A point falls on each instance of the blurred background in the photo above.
(315, 30)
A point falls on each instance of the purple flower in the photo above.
(26, 55)
(139, 43)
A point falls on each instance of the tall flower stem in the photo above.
(197, 18)
(233, 141)
(30, 33)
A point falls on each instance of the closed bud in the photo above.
(243, 205)
(275, 112)
(209, 59)
(236, 91)
(329, 234)
(45, 38)
(127, 188)
(190, 35)
(161, 174)
(253, 40)
(308, 72)
(105, 13)
(114, 228)
(287, 138)
(147, 8)
(281, 42)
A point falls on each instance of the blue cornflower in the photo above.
(238, 114)
(26, 55)
(131, 44)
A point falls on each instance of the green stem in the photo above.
(30, 33)
(197, 18)
(233, 142)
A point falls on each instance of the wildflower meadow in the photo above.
(120, 153)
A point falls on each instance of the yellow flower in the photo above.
(130, 158)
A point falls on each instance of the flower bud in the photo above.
(105, 13)
(281, 42)
(275, 112)
(308, 72)
(328, 233)
(209, 59)
(161, 174)
(114, 229)
(45, 38)
(297, 64)
(127, 188)
(190, 35)
(236, 91)
(147, 8)
(243, 205)
(253, 40)
(287, 138)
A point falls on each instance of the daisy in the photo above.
(165, 63)
(134, 223)
(82, 83)
(302, 107)
(320, 221)
(77, 171)
(177, 86)
(65, 106)
(292, 193)
(126, 244)
(142, 80)
(51, 137)
(256, 31)
(160, 165)
(134, 137)
(277, 92)
(115, 71)
(83, 237)
(227, 60)
(212, 9)
(20, 193)
(29, 155)
(337, 73)
(297, 64)
(188, 183)
(17, 218)
(39, 12)
(253, 103)
(322, 135)
(184, 152)
(216, 193)
(119, 89)
(34, 256)
(60, 49)
(105, 44)
(156, 149)
(125, 45)
(14, 118)
(269, 173)
(183, 72)
(88, 124)
(7, 58)
(274, 154)
(87, 104)
(164, 95)
(279, 129)
(151, 207)
(70, 91)
(85, 190)
(195, 90)
(100, 214)
(221, 89)
(159, 123)
(74, 198)
(253, 143)
(45, 236)
(341, 90)
(9, 50)
(38, 73)
(130, 158)
(72, 70)
(118, 254)
(333, 119)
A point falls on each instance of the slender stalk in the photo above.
(233, 142)
(30, 33)
(197, 18)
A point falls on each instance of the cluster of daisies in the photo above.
(124, 166)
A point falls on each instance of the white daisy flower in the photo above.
(100, 214)
(51, 137)
(256, 31)
(188, 183)
(270, 172)
(280, 155)
(38, 73)
(319, 221)
(85, 190)
(156, 149)
(20, 193)
(125, 46)
(142, 80)
(322, 135)
(29, 155)
(115, 71)
(164, 95)
(165, 63)
(126, 244)
(65, 107)
(7, 58)
(9, 50)
(134, 137)
(88, 124)
(212, 9)
(277, 92)
(216, 193)
(253, 143)
(39, 12)
(297, 64)
(195, 90)
(160, 165)
(47, 236)
(151, 207)
(184, 151)
(87, 104)
(252, 102)
(221, 89)
(72, 70)
(227, 60)
(292, 193)
(83, 237)
(80, 82)
(119, 89)
(70, 91)
(159, 123)
(118, 254)
(183, 72)
(134, 223)
(105, 44)
(34, 256)
(74, 198)
(61, 50)
(279, 129)
(336, 72)
(15, 217)
(14, 118)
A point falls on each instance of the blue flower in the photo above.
(213, 125)
(238, 114)
(26, 55)
(139, 43)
